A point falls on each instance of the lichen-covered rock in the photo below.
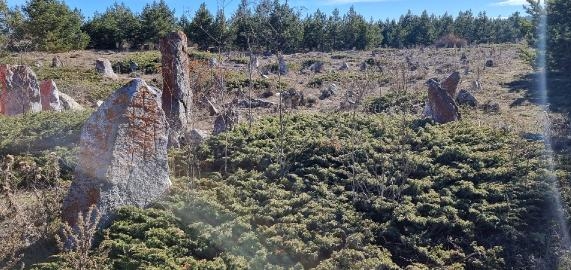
(50, 96)
(68, 103)
(443, 108)
(317, 67)
(177, 95)
(104, 67)
(123, 154)
(19, 90)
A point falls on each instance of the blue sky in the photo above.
(377, 9)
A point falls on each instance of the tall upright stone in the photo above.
(103, 66)
(123, 154)
(50, 96)
(19, 90)
(177, 95)
(451, 84)
(440, 105)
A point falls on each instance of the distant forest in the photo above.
(270, 25)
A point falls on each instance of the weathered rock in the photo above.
(466, 98)
(68, 103)
(225, 121)
(56, 62)
(489, 63)
(292, 98)
(49, 96)
(196, 136)
(123, 154)
(451, 84)
(363, 66)
(317, 67)
(282, 66)
(99, 103)
(19, 90)
(344, 66)
(491, 107)
(330, 91)
(177, 95)
(103, 66)
(254, 103)
(442, 109)
(463, 57)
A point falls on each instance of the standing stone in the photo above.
(122, 155)
(476, 86)
(451, 84)
(177, 95)
(443, 108)
(56, 62)
(282, 66)
(19, 90)
(50, 96)
(103, 66)
(489, 63)
(344, 66)
(68, 103)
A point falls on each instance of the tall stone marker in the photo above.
(177, 95)
(123, 154)
(19, 90)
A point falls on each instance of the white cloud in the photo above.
(510, 3)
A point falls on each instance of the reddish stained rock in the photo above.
(50, 96)
(441, 106)
(177, 95)
(19, 90)
(123, 154)
(451, 84)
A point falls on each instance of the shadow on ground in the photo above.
(558, 93)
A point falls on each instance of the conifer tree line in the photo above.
(267, 25)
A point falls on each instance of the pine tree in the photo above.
(157, 20)
(200, 28)
(559, 34)
(116, 27)
(53, 26)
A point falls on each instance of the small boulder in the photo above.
(466, 98)
(476, 86)
(254, 103)
(122, 154)
(491, 107)
(56, 62)
(104, 67)
(489, 63)
(293, 98)
(68, 103)
(317, 67)
(344, 66)
(225, 121)
(50, 96)
(133, 67)
(328, 92)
